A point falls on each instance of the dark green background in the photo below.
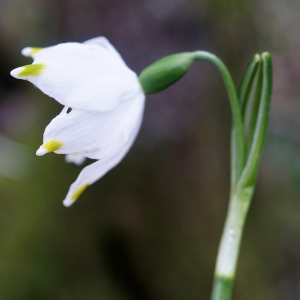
(150, 229)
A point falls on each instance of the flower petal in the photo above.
(80, 76)
(30, 51)
(94, 134)
(96, 170)
(104, 43)
(76, 158)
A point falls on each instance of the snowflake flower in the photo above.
(103, 105)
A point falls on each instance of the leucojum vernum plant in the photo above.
(103, 109)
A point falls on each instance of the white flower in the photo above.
(103, 105)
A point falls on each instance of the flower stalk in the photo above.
(255, 97)
(237, 140)
(250, 110)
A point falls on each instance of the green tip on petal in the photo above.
(79, 191)
(53, 145)
(32, 70)
(35, 50)
(30, 51)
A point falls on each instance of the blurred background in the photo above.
(150, 229)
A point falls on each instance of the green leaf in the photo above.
(250, 112)
(248, 177)
(247, 80)
(249, 98)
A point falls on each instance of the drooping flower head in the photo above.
(103, 105)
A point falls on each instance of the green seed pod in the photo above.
(165, 72)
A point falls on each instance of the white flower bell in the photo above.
(103, 101)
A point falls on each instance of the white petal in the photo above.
(30, 51)
(95, 171)
(81, 77)
(76, 158)
(41, 151)
(94, 134)
(104, 43)
(26, 51)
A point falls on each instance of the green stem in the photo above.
(237, 141)
(239, 201)
(230, 244)
(250, 107)
(241, 194)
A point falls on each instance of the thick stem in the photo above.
(237, 143)
(230, 244)
(241, 193)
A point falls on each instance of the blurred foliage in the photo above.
(150, 229)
